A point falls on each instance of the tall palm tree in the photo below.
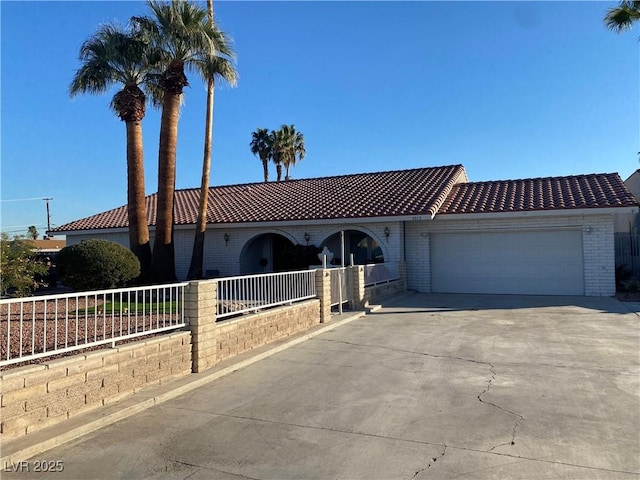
(292, 147)
(187, 41)
(219, 68)
(279, 147)
(114, 55)
(623, 16)
(261, 145)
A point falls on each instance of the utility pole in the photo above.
(46, 199)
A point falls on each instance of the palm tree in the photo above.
(32, 233)
(291, 147)
(261, 145)
(219, 68)
(623, 16)
(278, 140)
(114, 55)
(187, 41)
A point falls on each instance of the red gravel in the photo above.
(53, 324)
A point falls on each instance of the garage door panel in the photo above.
(546, 262)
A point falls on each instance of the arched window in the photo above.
(364, 248)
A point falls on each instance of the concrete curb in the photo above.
(46, 439)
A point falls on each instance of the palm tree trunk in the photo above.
(279, 171)
(136, 206)
(265, 168)
(163, 263)
(197, 255)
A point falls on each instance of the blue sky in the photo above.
(508, 89)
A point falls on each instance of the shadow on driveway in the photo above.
(436, 302)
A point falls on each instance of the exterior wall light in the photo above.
(387, 232)
(307, 237)
(226, 238)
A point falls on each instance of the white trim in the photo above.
(92, 231)
(514, 228)
(327, 221)
(361, 220)
(536, 213)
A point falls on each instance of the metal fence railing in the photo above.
(381, 273)
(339, 292)
(47, 325)
(627, 248)
(251, 293)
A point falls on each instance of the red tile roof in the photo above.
(551, 193)
(419, 191)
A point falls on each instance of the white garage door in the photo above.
(510, 262)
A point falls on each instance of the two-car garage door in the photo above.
(548, 262)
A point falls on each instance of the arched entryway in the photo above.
(265, 253)
(365, 248)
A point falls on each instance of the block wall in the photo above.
(234, 337)
(38, 396)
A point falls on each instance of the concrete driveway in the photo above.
(433, 386)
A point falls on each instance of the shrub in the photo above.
(632, 285)
(20, 270)
(96, 264)
(623, 275)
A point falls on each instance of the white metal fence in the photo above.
(381, 273)
(42, 326)
(251, 293)
(339, 293)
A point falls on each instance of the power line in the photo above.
(23, 199)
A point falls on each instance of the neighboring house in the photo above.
(534, 236)
(48, 246)
(629, 222)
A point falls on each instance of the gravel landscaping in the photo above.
(39, 326)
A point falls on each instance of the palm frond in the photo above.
(261, 144)
(114, 55)
(622, 17)
(181, 31)
(218, 68)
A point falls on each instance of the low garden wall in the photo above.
(374, 293)
(234, 337)
(38, 396)
(215, 341)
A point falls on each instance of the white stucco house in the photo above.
(550, 235)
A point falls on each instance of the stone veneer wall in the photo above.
(234, 337)
(377, 292)
(37, 396)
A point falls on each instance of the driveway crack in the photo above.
(513, 438)
(433, 460)
(402, 350)
(491, 366)
(486, 390)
